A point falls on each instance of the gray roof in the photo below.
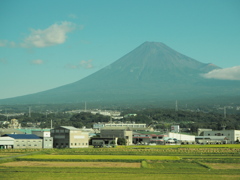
(70, 128)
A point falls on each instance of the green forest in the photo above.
(159, 119)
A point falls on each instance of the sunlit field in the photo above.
(123, 162)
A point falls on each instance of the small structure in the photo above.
(25, 141)
(47, 140)
(148, 138)
(104, 142)
(69, 137)
(6, 142)
(175, 128)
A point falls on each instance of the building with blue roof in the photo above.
(25, 141)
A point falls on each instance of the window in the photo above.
(75, 144)
(86, 144)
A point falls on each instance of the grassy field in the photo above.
(126, 162)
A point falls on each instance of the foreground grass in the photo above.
(95, 157)
(164, 162)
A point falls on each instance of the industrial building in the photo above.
(69, 137)
(146, 138)
(231, 135)
(211, 139)
(47, 140)
(182, 138)
(131, 126)
(6, 143)
(117, 132)
(25, 141)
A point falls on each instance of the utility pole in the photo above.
(176, 106)
(29, 111)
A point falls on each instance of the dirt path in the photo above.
(72, 164)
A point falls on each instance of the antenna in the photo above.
(176, 107)
(85, 107)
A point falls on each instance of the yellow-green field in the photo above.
(126, 162)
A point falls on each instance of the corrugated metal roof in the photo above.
(6, 139)
(22, 136)
(70, 128)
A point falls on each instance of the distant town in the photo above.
(109, 128)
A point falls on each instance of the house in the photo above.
(69, 137)
(25, 141)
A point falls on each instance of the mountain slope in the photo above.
(152, 71)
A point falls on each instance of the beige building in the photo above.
(47, 140)
(117, 132)
(69, 137)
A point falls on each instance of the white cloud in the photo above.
(83, 64)
(86, 64)
(232, 73)
(73, 16)
(37, 61)
(53, 35)
(6, 43)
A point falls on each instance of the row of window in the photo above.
(28, 141)
(72, 144)
(26, 145)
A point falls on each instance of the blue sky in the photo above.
(46, 44)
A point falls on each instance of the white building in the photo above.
(187, 139)
(6, 142)
(231, 135)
